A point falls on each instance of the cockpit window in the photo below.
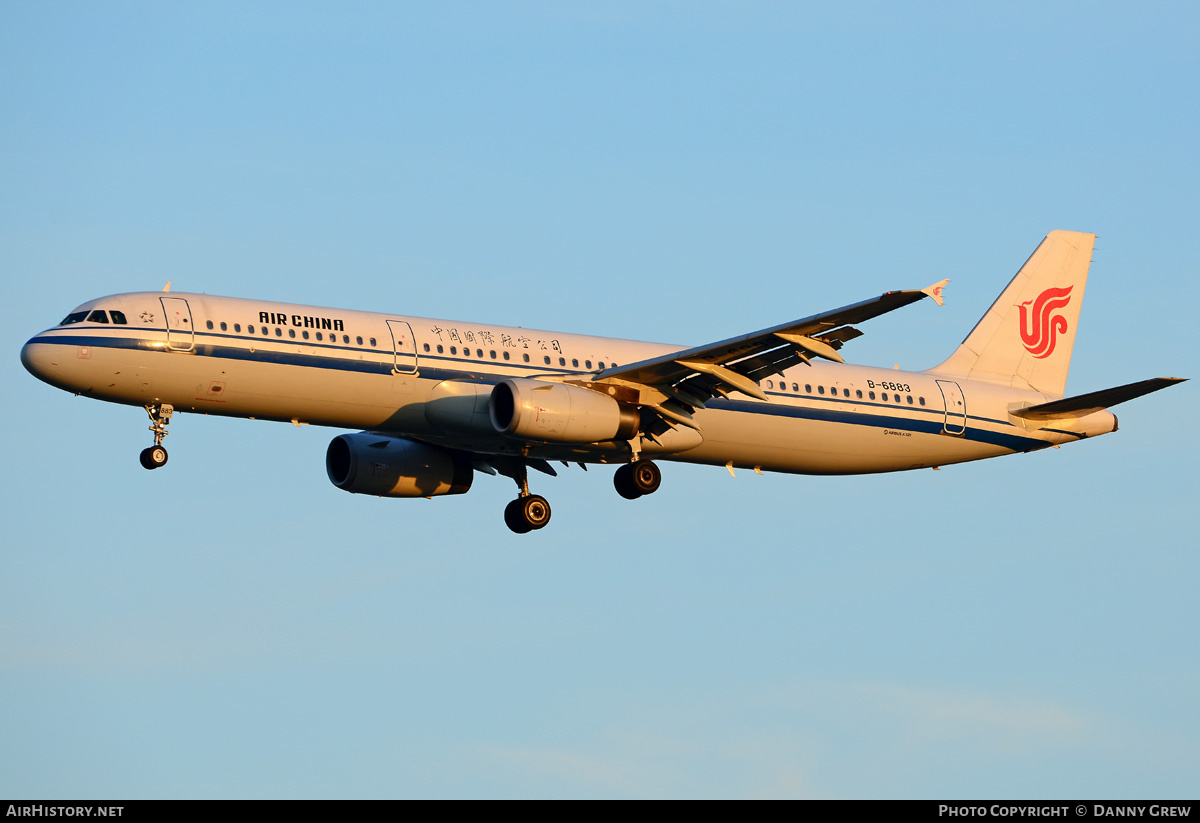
(118, 317)
(98, 316)
(74, 317)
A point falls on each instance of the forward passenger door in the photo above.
(180, 334)
(405, 347)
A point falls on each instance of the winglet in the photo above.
(935, 291)
(168, 286)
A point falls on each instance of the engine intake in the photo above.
(558, 413)
(395, 467)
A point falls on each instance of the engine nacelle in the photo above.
(558, 413)
(365, 463)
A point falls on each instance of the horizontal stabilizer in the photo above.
(1095, 401)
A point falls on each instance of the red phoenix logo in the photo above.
(1041, 327)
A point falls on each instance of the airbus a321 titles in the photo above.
(436, 401)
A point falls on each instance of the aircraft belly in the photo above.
(240, 387)
(94, 371)
(317, 396)
(806, 446)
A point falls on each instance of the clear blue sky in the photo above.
(233, 625)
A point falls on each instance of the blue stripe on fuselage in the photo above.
(857, 418)
(825, 410)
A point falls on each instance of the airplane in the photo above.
(438, 400)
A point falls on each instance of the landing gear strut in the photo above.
(529, 511)
(156, 455)
(636, 479)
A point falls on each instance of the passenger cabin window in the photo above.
(454, 349)
(372, 342)
(98, 316)
(209, 324)
(808, 388)
(278, 332)
(858, 393)
(820, 389)
(525, 357)
(562, 361)
(237, 327)
(547, 360)
(292, 333)
(358, 340)
(506, 355)
(440, 349)
(426, 347)
(921, 400)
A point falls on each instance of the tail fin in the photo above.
(1025, 339)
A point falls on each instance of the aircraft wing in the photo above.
(689, 378)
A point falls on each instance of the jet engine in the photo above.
(366, 463)
(558, 413)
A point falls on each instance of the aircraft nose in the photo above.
(37, 360)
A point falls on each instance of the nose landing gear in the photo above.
(156, 456)
(153, 457)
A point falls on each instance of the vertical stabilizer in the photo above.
(1025, 339)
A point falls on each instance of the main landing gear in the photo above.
(636, 479)
(156, 455)
(528, 512)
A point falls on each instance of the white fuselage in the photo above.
(431, 380)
